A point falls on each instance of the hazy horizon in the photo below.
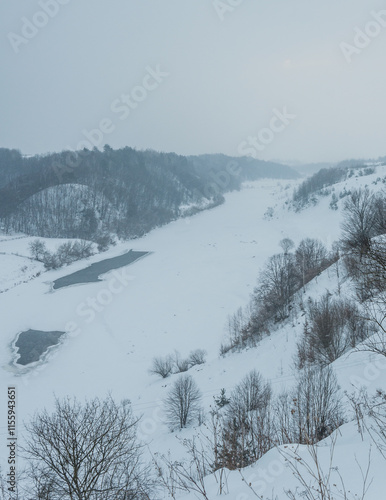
(290, 82)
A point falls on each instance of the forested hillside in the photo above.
(320, 183)
(124, 192)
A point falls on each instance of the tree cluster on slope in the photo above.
(66, 253)
(283, 276)
(319, 184)
(364, 245)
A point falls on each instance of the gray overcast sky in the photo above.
(225, 76)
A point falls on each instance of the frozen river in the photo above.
(91, 273)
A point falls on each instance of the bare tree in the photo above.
(238, 329)
(182, 404)
(286, 244)
(311, 258)
(86, 452)
(277, 284)
(364, 219)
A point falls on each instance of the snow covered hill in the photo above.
(200, 270)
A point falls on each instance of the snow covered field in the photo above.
(201, 270)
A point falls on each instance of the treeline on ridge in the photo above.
(125, 192)
(319, 183)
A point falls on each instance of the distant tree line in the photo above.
(126, 192)
(319, 183)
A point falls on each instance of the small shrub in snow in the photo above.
(51, 261)
(38, 249)
(181, 365)
(222, 400)
(162, 366)
(104, 241)
(197, 357)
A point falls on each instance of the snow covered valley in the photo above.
(199, 270)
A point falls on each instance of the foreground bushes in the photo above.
(252, 421)
(91, 449)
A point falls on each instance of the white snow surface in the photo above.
(201, 269)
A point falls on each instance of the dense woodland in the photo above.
(124, 192)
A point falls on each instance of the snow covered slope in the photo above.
(200, 270)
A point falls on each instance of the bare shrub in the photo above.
(277, 284)
(225, 348)
(104, 241)
(311, 258)
(81, 249)
(38, 249)
(197, 357)
(181, 365)
(51, 261)
(311, 411)
(247, 427)
(332, 327)
(162, 366)
(64, 253)
(238, 329)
